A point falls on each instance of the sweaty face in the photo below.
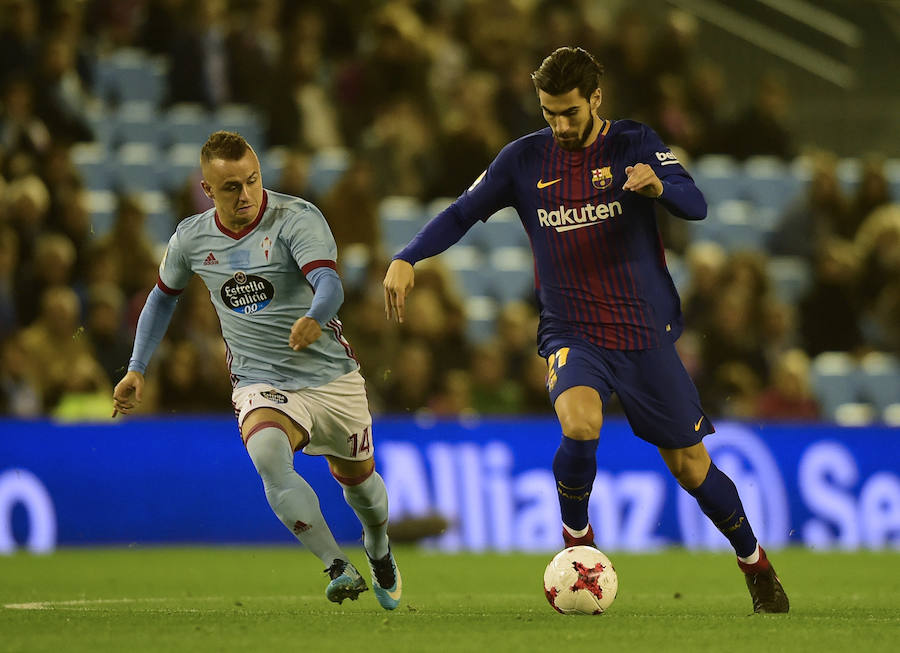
(235, 187)
(571, 117)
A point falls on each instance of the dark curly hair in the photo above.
(567, 68)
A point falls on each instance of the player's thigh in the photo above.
(260, 417)
(659, 398)
(579, 382)
(689, 465)
(350, 472)
(580, 412)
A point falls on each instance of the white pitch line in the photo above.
(87, 603)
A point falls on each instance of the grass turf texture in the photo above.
(221, 599)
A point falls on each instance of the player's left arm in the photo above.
(315, 252)
(659, 175)
(328, 295)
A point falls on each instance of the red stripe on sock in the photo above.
(760, 565)
(264, 425)
(353, 480)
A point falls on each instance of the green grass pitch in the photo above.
(252, 599)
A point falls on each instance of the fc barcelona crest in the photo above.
(601, 178)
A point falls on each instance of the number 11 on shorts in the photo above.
(359, 443)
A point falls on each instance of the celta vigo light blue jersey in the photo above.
(256, 282)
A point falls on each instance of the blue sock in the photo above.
(719, 500)
(575, 466)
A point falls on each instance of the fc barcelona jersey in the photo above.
(599, 263)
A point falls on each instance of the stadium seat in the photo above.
(102, 206)
(244, 120)
(718, 176)
(738, 227)
(188, 123)
(769, 183)
(128, 75)
(272, 163)
(891, 414)
(353, 263)
(892, 172)
(181, 161)
(94, 162)
(468, 267)
(849, 172)
(325, 168)
(137, 122)
(511, 273)
(880, 379)
(137, 168)
(834, 379)
(481, 318)
(791, 277)
(400, 218)
(160, 220)
(854, 414)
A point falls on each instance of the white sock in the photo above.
(291, 498)
(369, 501)
(751, 559)
(574, 533)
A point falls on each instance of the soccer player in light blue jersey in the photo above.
(585, 189)
(268, 261)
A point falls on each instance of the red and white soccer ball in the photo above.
(580, 580)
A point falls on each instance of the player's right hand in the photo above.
(398, 281)
(128, 393)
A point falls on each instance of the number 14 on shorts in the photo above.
(359, 442)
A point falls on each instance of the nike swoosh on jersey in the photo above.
(697, 425)
(543, 184)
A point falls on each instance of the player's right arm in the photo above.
(489, 193)
(151, 327)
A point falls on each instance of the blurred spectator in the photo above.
(156, 32)
(733, 340)
(351, 208)
(762, 128)
(20, 388)
(535, 400)
(55, 340)
(9, 262)
(708, 102)
(51, 265)
(629, 67)
(199, 60)
(830, 311)
(61, 97)
(301, 113)
(706, 264)
(493, 390)
(818, 215)
(20, 126)
(517, 324)
(789, 396)
(411, 382)
(19, 39)
(85, 393)
(872, 192)
(104, 329)
(453, 397)
(254, 47)
(129, 245)
(183, 387)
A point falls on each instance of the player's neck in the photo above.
(595, 133)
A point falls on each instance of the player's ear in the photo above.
(596, 100)
(207, 189)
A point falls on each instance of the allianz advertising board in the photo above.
(189, 481)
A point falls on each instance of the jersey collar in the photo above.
(237, 235)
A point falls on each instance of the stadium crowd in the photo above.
(422, 95)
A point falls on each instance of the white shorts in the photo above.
(335, 415)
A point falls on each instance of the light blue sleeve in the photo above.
(328, 294)
(310, 240)
(151, 327)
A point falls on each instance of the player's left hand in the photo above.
(643, 181)
(304, 332)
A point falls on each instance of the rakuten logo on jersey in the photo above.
(564, 219)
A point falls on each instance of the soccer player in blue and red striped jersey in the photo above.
(585, 190)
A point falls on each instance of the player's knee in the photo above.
(270, 451)
(582, 427)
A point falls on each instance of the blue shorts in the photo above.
(659, 397)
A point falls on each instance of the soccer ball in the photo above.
(580, 580)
